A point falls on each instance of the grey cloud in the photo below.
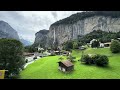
(27, 26)
(54, 14)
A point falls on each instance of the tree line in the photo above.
(80, 16)
(99, 35)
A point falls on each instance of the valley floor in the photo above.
(47, 67)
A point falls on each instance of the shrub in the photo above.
(86, 59)
(75, 45)
(102, 60)
(30, 49)
(26, 61)
(95, 44)
(61, 58)
(94, 58)
(115, 46)
(35, 58)
(71, 58)
(68, 45)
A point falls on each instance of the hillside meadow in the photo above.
(47, 67)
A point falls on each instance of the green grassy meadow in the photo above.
(47, 67)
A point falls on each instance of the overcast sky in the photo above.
(27, 23)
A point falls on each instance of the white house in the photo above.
(101, 45)
(29, 56)
(92, 41)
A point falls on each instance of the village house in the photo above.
(107, 44)
(101, 45)
(92, 41)
(28, 56)
(66, 66)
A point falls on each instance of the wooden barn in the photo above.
(66, 66)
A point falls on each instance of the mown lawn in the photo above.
(47, 67)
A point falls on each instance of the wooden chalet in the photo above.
(66, 66)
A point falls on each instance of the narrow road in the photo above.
(30, 62)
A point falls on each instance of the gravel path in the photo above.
(30, 62)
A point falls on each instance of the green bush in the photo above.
(94, 58)
(115, 46)
(71, 58)
(95, 44)
(61, 58)
(102, 60)
(75, 45)
(26, 61)
(68, 45)
(86, 59)
(30, 49)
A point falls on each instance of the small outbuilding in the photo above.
(107, 44)
(66, 66)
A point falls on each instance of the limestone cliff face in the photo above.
(6, 31)
(41, 37)
(67, 32)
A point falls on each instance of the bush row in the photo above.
(100, 60)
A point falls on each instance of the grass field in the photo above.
(47, 67)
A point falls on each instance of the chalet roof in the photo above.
(67, 63)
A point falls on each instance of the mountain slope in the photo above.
(25, 42)
(83, 23)
(41, 38)
(6, 31)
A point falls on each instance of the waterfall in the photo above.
(54, 37)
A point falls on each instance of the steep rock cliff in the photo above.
(6, 31)
(79, 24)
(41, 38)
(65, 32)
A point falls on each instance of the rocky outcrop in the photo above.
(41, 38)
(6, 31)
(79, 24)
(65, 32)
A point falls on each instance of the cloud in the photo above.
(27, 23)
(54, 15)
